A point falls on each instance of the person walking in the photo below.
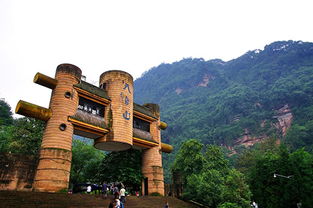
(254, 205)
(104, 190)
(117, 203)
(166, 204)
(88, 189)
(122, 194)
(116, 193)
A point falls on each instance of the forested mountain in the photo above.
(261, 94)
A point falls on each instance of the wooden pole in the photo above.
(163, 125)
(166, 148)
(32, 110)
(45, 81)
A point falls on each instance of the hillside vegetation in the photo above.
(219, 102)
(261, 94)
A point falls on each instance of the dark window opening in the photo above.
(68, 94)
(141, 124)
(103, 86)
(146, 192)
(62, 127)
(90, 107)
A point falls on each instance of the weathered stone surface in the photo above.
(17, 172)
(57, 143)
(119, 87)
(152, 162)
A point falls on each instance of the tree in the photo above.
(123, 166)
(246, 160)
(213, 182)
(189, 159)
(236, 189)
(215, 159)
(301, 187)
(205, 187)
(86, 161)
(6, 118)
(23, 137)
(228, 205)
(279, 192)
(299, 136)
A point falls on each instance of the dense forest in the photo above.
(261, 94)
(218, 102)
(268, 173)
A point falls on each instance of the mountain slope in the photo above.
(258, 95)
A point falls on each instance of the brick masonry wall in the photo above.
(152, 161)
(119, 87)
(17, 172)
(55, 156)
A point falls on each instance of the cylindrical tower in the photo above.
(54, 166)
(151, 168)
(119, 87)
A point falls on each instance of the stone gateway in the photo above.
(106, 114)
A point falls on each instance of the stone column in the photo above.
(119, 87)
(152, 158)
(54, 166)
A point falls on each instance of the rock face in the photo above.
(247, 140)
(284, 120)
(205, 81)
(284, 117)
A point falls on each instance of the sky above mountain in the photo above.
(99, 35)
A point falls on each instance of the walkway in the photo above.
(10, 199)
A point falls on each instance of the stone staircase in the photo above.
(10, 199)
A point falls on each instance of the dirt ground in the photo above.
(12, 199)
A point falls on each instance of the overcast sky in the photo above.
(133, 35)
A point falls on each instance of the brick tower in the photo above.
(119, 87)
(152, 158)
(54, 166)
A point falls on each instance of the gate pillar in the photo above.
(55, 157)
(152, 169)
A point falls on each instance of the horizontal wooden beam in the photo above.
(142, 142)
(144, 117)
(31, 110)
(166, 148)
(163, 125)
(45, 81)
(92, 97)
(88, 127)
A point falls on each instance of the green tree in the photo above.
(23, 137)
(205, 187)
(86, 161)
(6, 118)
(214, 182)
(189, 159)
(300, 136)
(247, 159)
(236, 189)
(301, 186)
(280, 191)
(228, 205)
(5, 138)
(123, 166)
(215, 159)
